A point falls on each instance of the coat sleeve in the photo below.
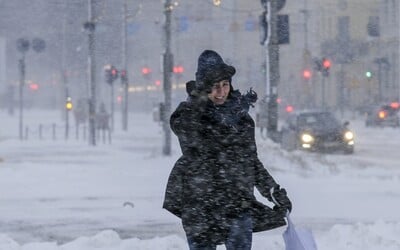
(245, 138)
(264, 182)
(174, 191)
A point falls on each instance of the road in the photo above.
(60, 191)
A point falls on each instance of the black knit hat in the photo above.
(211, 69)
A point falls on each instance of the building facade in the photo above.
(342, 31)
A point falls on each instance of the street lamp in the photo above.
(90, 27)
(23, 46)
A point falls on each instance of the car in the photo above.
(318, 131)
(386, 115)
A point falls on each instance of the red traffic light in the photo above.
(178, 69)
(289, 108)
(146, 70)
(123, 73)
(34, 86)
(326, 63)
(119, 99)
(307, 74)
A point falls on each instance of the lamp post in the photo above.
(65, 74)
(167, 72)
(89, 26)
(271, 44)
(23, 45)
(124, 77)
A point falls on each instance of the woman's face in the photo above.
(219, 92)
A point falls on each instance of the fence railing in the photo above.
(58, 132)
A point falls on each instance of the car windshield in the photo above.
(318, 120)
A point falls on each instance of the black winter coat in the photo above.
(213, 181)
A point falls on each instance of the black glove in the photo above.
(247, 100)
(280, 198)
(251, 96)
(280, 210)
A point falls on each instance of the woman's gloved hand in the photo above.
(280, 198)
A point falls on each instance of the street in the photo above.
(58, 190)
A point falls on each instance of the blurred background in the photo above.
(360, 38)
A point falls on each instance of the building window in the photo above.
(373, 26)
(394, 12)
(343, 28)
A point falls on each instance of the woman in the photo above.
(211, 187)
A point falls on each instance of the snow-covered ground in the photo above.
(58, 194)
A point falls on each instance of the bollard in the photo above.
(40, 131)
(84, 132)
(26, 132)
(77, 131)
(54, 131)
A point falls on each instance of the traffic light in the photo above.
(114, 73)
(146, 71)
(124, 76)
(368, 74)
(326, 65)
(307, 74)
(34, 86)
(263, 27)
(289, 109)
(283, 29)
(317, 64)
(111, 74)
(68, 104)
(178, 70)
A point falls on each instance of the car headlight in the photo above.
(307, 138)
(348, 135)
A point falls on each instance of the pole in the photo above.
(112, 105)
(64, 75)
(323, 93)
(124, 65)
(273, 54)
(65, 80)
(307, 83)
(306, 16)
(167, 71)
(267, 41)
(91, 76)
(21, 95)
(343, 100)
(379, 80)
